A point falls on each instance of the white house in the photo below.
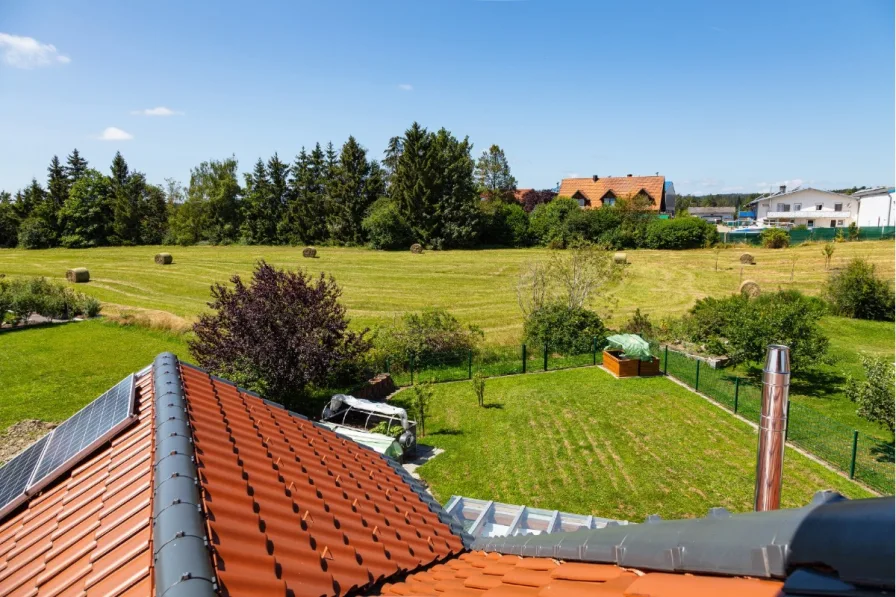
(808, 207)
(877, 207)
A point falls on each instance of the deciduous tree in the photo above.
(493, 175)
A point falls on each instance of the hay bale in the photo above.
(416, 248)
(620, 258)
(747, 259)
(164, 258)
(78, 275)
(749, 289)
(309, 252)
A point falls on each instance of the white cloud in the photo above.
(27, 52)
(406, 87)
(158, 111)
(113, 133)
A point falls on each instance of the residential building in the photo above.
(808, 207)
(877, 206)
(205, 489)
(595, 192)
(716, 215)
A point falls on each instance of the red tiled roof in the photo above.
(295, 507)
(621, 187)
(480, 574)
(89, 532)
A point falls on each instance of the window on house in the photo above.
(581, 202)
(833, 223)
(797, 206)
(818, 207)
(839, 222)
(608, 199)
(810, 223)
(838, 207)
(783, 207)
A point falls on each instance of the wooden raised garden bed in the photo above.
(624, 367)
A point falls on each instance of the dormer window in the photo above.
(608, 199)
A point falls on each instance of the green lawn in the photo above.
(50, 372)
(582, 441)
(477, 286)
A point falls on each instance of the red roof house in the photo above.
(211, 490)
(595, 192)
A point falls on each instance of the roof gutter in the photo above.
(181, 556)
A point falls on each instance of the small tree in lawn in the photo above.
(279, 335)
(874, 397)
(828, 251)
(478, 383)
(421, 395)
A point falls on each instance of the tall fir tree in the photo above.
(57, 192)
(355, 185)
(75, 166)
(280, 191)
(9, 222)
(258, 228)
(304, 219)
(127, 210)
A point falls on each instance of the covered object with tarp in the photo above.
(348, 411)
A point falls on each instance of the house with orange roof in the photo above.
(596, 191)
(179, 483)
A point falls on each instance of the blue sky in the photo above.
(717, 96)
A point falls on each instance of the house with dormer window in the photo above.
(596, 192)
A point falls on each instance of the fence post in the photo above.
(524, 358)
(737, 392)
(470, 364)
(787, 427)
(666, 360)
(855, 447)
(545, 356)
(697, 379)
(594, 350)
(412, 368)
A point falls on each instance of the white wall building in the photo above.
(808, 207)
(877, 207)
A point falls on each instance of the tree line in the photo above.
(427, 189)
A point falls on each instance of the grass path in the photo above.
(584, 442)
(477, 286)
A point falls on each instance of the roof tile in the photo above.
(544, 577)
(620, 186)
(294, 506)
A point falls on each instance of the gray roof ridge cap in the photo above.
(181, 555)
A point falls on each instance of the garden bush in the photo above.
(548, 222)
(504, 224)
(282, 335)
(639, 324)
(858, 293)
(385, 227)
(34, 233)
(742, 327)
(874, 396)
(21, 297)
(775, 238)
(680, 233)
(564, 330)
(429, 334)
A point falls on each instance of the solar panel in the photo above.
(86, 430)
(14, 475)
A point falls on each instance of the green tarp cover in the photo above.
(634, 346)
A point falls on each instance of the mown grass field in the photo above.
(582, 441)
(50, 372)
(477, 286)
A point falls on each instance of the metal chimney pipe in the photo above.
(772, 428)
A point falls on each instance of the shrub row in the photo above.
(19, 298)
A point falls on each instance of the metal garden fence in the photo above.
(864, 458)
(492, 361)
